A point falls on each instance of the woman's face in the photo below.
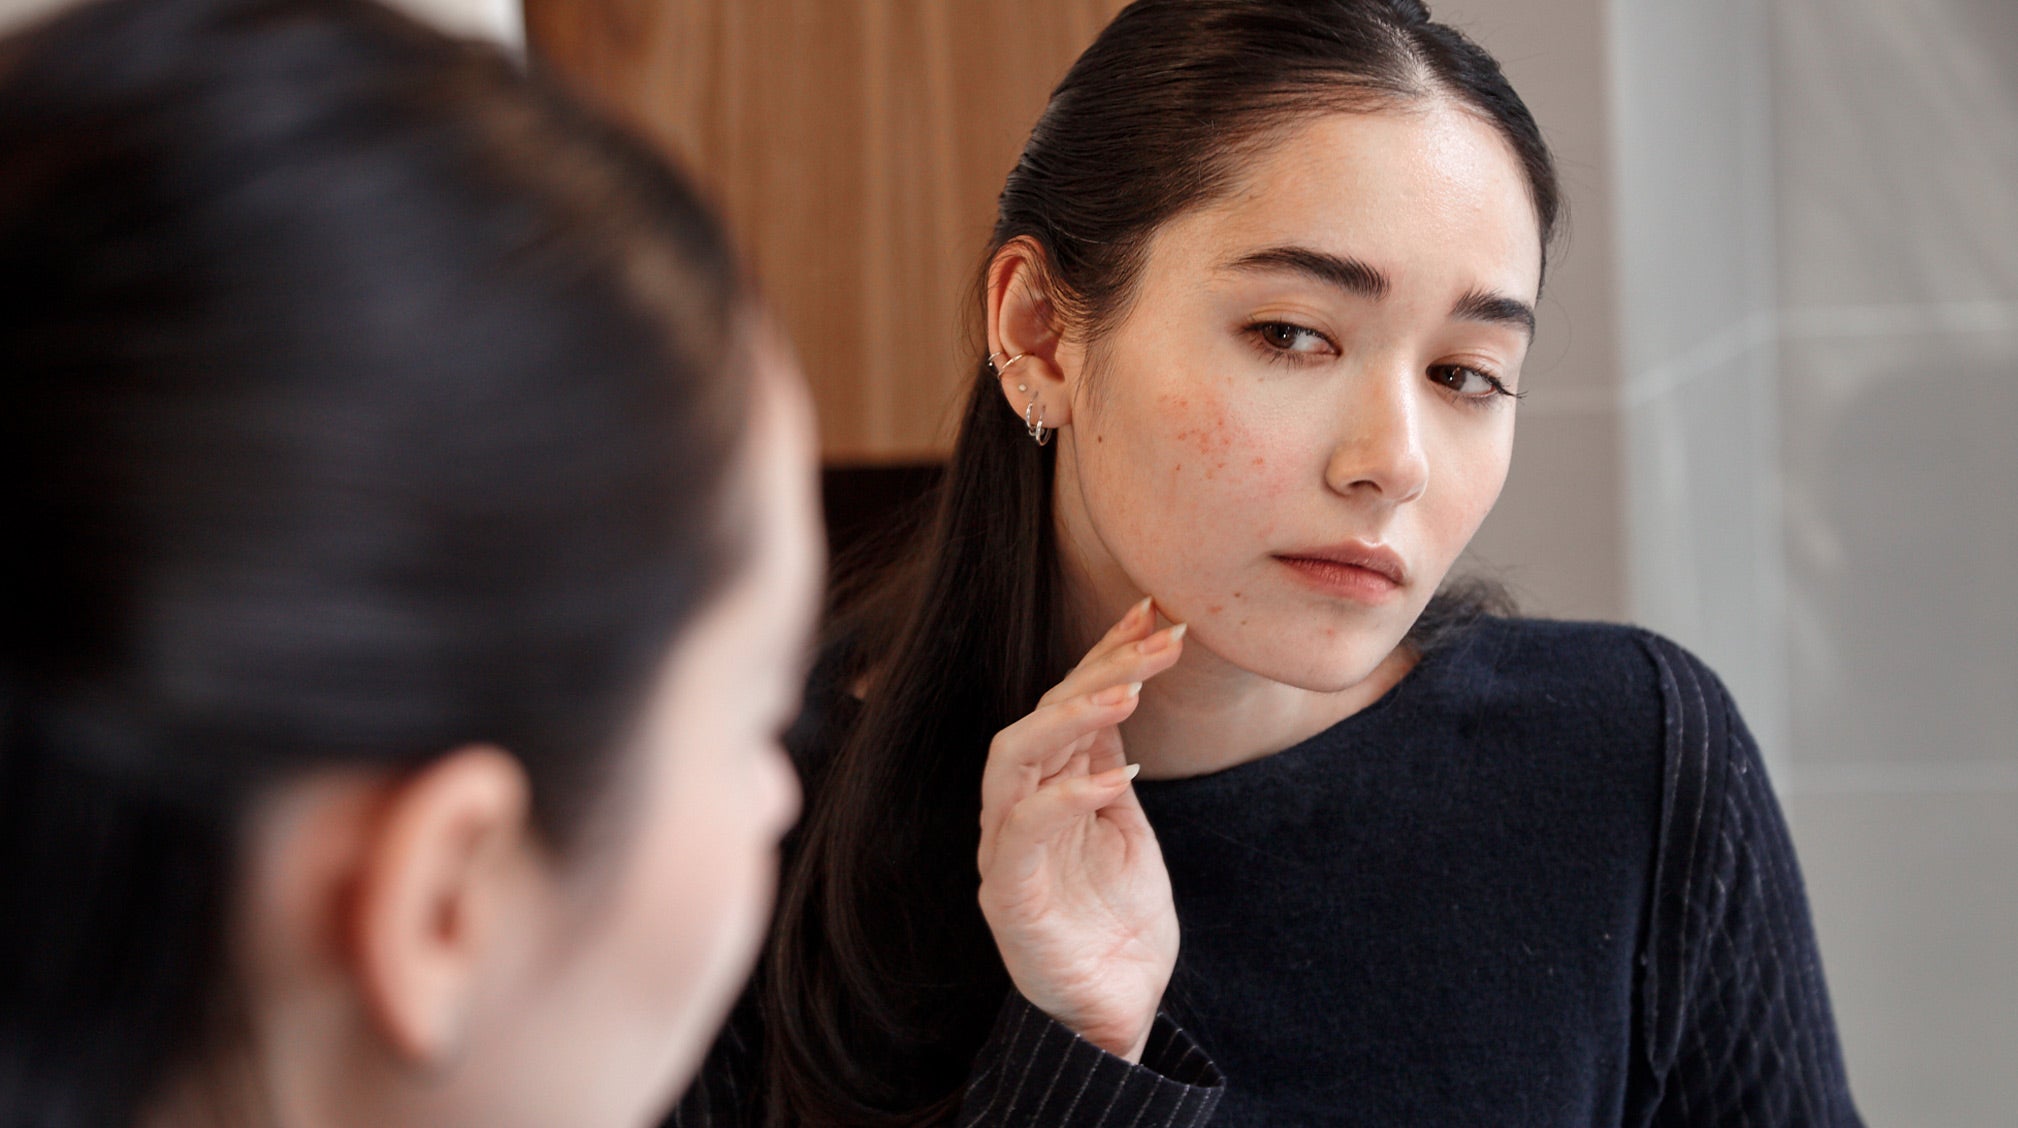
(670, 925)
(1300, 420)
(416, 954)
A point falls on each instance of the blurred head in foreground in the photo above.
(410, 550)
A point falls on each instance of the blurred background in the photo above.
(1774, 405)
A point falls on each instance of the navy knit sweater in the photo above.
(1543, 881)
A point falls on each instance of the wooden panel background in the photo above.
(856, 147)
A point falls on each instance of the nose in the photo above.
(1379, 452)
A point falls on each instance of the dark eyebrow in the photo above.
(1477, 305)
(1348, 274)
(1357, 277)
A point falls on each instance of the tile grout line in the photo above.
(1762, 328)
(1952, 778)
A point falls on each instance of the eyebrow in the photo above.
(1478, 305)
(1346, 273)
(1364, 280)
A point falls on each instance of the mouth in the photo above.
(1364, 573)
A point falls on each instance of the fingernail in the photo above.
(1136, 612)
(1115, 695)
(1163, 640)
(1133, 770)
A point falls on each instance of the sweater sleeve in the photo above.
(1738, 1028)
(1035, 1070)
(1032, 1070)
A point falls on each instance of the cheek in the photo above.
(712, 867)
(1468, 474)
(1186, 488)
(1198, 464)
(694, 903)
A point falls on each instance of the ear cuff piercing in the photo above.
(1033, 411)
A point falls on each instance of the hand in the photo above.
(1072, 881)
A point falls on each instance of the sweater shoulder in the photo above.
(1513, 668)
(1611, 665)
(1619, 700)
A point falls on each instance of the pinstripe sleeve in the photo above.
(1031, 1071)
(1737, 1014)
(1035, 1071)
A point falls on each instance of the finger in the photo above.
(1139, 660)
(1104, 752)
(1045, 743)
(1029, 832)
(1133, 626)
(1023, 755)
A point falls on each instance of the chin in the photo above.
(1310, 656)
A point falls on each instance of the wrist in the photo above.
(1127, 1043)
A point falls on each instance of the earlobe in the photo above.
(442, 873)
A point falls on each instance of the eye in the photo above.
(1285, 339)
(1470, 383)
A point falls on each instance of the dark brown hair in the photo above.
(882, 976)
(359, 399)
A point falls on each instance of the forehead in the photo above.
(1428, 192)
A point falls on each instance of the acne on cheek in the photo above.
(1200, 424)
(1212, 444)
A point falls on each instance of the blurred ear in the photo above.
(437, 878)
(1024, 332)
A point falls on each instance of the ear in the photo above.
(1023, 333)
(440, 870)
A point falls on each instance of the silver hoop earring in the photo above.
(1036, 426)
(1005, 364)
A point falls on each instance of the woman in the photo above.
(411, 557)
(1257, 305)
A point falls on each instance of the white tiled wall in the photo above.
(1913, 899)
(1818, 213)
(1897, 210)
(1563, 559)
(1787, 435)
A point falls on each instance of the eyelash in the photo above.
(1258, 333)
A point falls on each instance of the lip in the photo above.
(1367, 573)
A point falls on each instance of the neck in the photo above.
(1204, 714)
